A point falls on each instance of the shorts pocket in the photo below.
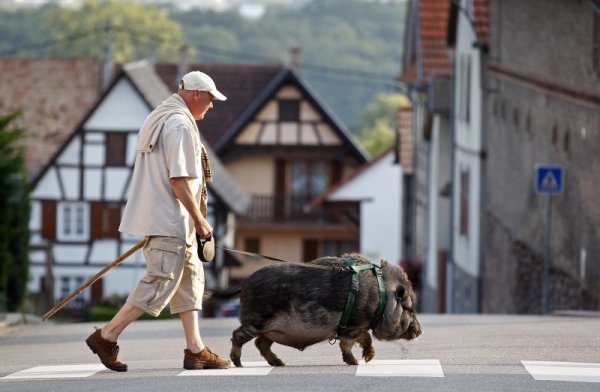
(162, 258)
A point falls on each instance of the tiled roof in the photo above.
(434, 17)
(432, 37)
(54, 94)
(241, 83)
(481, 15)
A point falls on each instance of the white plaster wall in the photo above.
(70, 181)
(47, 187)
(381, 222)
(470, 139)
(122, 110)
(438, 213)
(116, 181)
(70, 155)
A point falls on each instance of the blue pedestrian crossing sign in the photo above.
(549, 179)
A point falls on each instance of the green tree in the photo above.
(14, 217)
(138, 31)
(376, 125)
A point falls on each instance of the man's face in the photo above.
(202, 101)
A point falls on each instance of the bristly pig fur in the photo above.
(298, 306)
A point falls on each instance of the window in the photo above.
(309, 178)
(596, 45)
(338, 247)
(65, 287)
(289, 110)
(115, 149)
(252, 245)
(73, 221)
(69, 284)
(464, 87)
(464, 202)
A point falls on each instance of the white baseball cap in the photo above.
(197, 80)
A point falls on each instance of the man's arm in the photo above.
(183, 192)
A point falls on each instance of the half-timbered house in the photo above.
(284, 147)
(78, 197)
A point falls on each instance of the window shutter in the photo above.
(49, 219)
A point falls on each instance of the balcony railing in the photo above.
(293, 209)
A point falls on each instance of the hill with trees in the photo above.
(350, 49)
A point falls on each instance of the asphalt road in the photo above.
(455, 353)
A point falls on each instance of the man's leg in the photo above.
(125, 316)
(104, 341)
(197, 355)
(193, 340)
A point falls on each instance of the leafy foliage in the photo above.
(138, 32)
(376, 124)
(351, 49)
(14, 217)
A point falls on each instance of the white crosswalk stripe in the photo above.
(249, 369)
(563, 371)
(59, 371)
(400, 368)
(539, 370)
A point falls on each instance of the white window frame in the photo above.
(67, 285)
(73, 221)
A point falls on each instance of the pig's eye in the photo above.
(400, 292)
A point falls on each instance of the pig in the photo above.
(298, 306)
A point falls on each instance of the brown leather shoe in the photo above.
(107, 351)
(205, 359)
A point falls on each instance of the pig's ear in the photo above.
(384, 263)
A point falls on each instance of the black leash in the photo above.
(351, 267)
(276, 259)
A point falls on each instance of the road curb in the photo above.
(577, 313)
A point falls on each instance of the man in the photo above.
(167, 205)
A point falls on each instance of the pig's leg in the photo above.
(365, 341)
(240, 336)
(264, 346)
(346, 345)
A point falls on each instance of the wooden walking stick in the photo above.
(92, 280)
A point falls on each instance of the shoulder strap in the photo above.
(354, 292)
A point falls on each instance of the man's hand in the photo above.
(183, 191)
(204, 229)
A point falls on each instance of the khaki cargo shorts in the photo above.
(174, 276)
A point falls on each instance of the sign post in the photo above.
(549, 180)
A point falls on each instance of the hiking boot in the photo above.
(205, 359)
(107, 351)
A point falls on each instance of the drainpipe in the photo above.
(450, 261)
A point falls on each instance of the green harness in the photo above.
(354, 292)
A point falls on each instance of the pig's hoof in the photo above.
(276, 362)
(236, 361)
(368, 354)
(349, 359)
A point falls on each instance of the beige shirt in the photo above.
(152, 208)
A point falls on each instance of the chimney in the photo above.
(107, 72)
(184, 63)
(295, 60)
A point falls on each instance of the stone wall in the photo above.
(542, 107)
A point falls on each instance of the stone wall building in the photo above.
(542, 107)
